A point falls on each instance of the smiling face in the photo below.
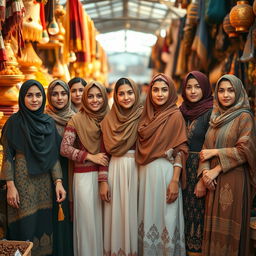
(59, 97)
(33, 99)
(160, 93)
(193, 90)
(125, 96)
(226, 94)
(76, 92)
(95, 99)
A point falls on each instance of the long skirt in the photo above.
(120, 215)
(161, 225)
(193, 209)
(87, 215)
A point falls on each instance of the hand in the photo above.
(206, 154)
(209, 176)
(104, 192)
(172, 191)
(100, 158)
(60, 192)
(200, 189)
(13, 198)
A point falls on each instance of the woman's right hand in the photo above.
(13, 198)
(100, 158)
(200, 189)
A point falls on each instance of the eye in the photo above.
(121, 93)
(188, 87)
(130, 92)
(81, 89)
(54, 94)
(90, 96)
(99, 96)
(165, 89)
(154, 89)
(38, 95)
(64, 93)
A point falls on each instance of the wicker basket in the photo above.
(7, 247)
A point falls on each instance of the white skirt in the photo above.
(161, 225)
(120, 215)
(87, 215)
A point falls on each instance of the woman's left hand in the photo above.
(104, 192)
(206, 154)
(172, 192)
(60, 192)
(209, 176)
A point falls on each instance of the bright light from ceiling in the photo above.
(127, 41)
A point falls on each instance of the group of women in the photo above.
(156, 179)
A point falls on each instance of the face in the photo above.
(160, 93)
(59, 97)
(95, 99)
(226, 94)
(193, 90)
(33, 98)
(76, 92)
(125, 96)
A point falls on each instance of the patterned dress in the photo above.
(33, 220)
(193, 206)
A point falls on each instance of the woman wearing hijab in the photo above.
(119, 130)
(196, 109)
(76, 86)
(82, 143)
(59, 108)
(30, 163)
(228, 170)
(161, 154)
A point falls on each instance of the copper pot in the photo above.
(242, 16)
(229, 30)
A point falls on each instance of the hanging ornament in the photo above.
(229, 30)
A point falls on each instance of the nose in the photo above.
(159, 93)
(193, 89)
(225, 93)
(34, 98)
(59, 96)
(125, 96)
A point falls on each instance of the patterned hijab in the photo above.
(161, 128)
(192, 110)
(87, 123)
(220, 115)
(119, 128)
(60, 116)
(33, 133)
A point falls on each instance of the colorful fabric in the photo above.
(192, 110)
(119, 128)
(87, 122)
(156, 124)
(33, 133)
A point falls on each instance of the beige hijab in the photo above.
(119, 128)
(161, 128)
(60, 116)
(87, 122)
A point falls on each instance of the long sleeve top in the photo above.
(73, 149)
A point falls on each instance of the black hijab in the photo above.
(32, 133)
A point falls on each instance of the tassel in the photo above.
(61, 215)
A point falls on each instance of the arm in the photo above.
(7, 174)
(67, 148)
(57, 178)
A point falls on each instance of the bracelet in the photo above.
(175, 181)
(57, 181)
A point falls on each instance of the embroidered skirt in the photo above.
(161, 225)
(120, 215)
(87, 215)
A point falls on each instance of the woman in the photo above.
(30, 163)
(76, 86)
(59, 108)
(82, 143)
(119, 130)
(196, 110)
(161, 153)
(228, 171)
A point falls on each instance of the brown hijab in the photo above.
(119, 128)
(60, 116)
(161, 128)
(87, 122)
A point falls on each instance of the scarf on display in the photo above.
(192, 110)
(161, 128)
(33, 133)
(11, 16)
(60, 116)
(119, 128)
(87, 123)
